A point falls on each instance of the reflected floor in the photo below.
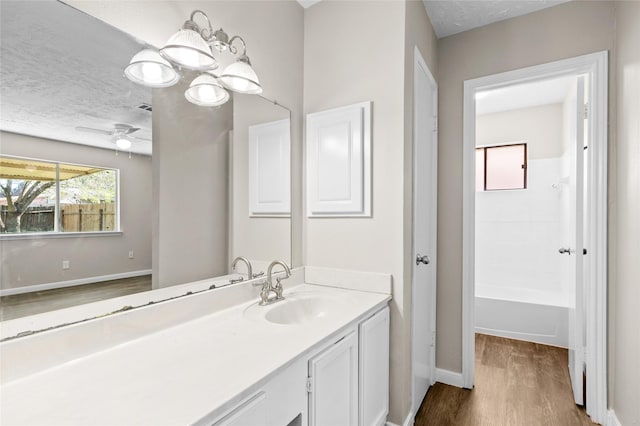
(21, 305)
(516, 383)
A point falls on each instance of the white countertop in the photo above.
(177, 375)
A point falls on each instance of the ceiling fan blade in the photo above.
(142, 139)
(92, 130)
(131, 130)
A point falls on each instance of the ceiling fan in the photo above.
(120, 132)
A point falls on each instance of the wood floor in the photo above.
(516, 383)
(20, 305)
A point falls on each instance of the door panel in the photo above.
(575, 258)
(333, 398)
(424, 229)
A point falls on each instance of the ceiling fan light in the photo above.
(150, 69)
(240, 77)
(188, 49)
(205, 90)
(123, 142)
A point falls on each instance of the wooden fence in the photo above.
(73, 218)
(88, 217)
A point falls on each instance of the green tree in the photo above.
(24, 192)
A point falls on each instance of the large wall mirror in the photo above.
(85, 217)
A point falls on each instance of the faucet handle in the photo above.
(258, 274)
(259, 283)
(236, 280)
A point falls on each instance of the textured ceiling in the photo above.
(525, 95)
(455, 16)
(61, 68)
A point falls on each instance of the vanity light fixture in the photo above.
(192, 47)
(150, 69)
(205, 90)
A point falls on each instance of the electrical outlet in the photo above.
(65, 264)
(130, 254)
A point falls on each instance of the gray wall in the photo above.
(371, 65)
(568, 30)
(624, 296)
(257, 238)
(419, 33)
(190, 188)
(540, 126)
(28, 262)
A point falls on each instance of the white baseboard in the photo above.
(408, 421)
(71, 283)
(612, 420)
(449, 377)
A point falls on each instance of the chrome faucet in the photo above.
(268, 286)
(246, 261)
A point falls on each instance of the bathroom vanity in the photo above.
(319, 357)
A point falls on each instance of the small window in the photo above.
(501, 167)
(44, 196)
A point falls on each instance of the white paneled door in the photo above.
(575, 245)
(423, 313)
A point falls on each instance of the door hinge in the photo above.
(433, 339)
(586, 110)
(435, 123)
(309, 385)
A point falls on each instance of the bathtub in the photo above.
(523, 314)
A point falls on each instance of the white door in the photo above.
(333, 384)
(574, 248)
(423, 313)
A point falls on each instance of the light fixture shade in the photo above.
(241, 78)
(205, 90)
(150, 69)
(188, 49)
(123, 143)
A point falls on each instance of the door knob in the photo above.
(422, 259)
(565, 250)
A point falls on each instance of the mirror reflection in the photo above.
(110, 188)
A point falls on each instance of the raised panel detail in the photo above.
(374, 369)
(339, 161)
(251, 413)
(333, 375)
(269, 169)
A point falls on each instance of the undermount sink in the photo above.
(298, 308)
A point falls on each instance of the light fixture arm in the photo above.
(243, 56)
(206, 33)
(233, 49)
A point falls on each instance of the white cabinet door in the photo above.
(333, 384)
(269, 169)
(251, 413)
(339, 161)
(374, 369)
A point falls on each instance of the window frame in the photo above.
(500, 145)
(57, 233)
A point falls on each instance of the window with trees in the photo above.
(49, 197)
(501, 167)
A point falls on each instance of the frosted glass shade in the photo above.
(188, 49)
(241, 78)
(205, 90)
(150, 69)
(123, 143)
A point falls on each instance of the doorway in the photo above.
(585, 312)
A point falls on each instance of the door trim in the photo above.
(420, 63)
(595, 65)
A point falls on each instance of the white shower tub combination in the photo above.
(524, 314)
